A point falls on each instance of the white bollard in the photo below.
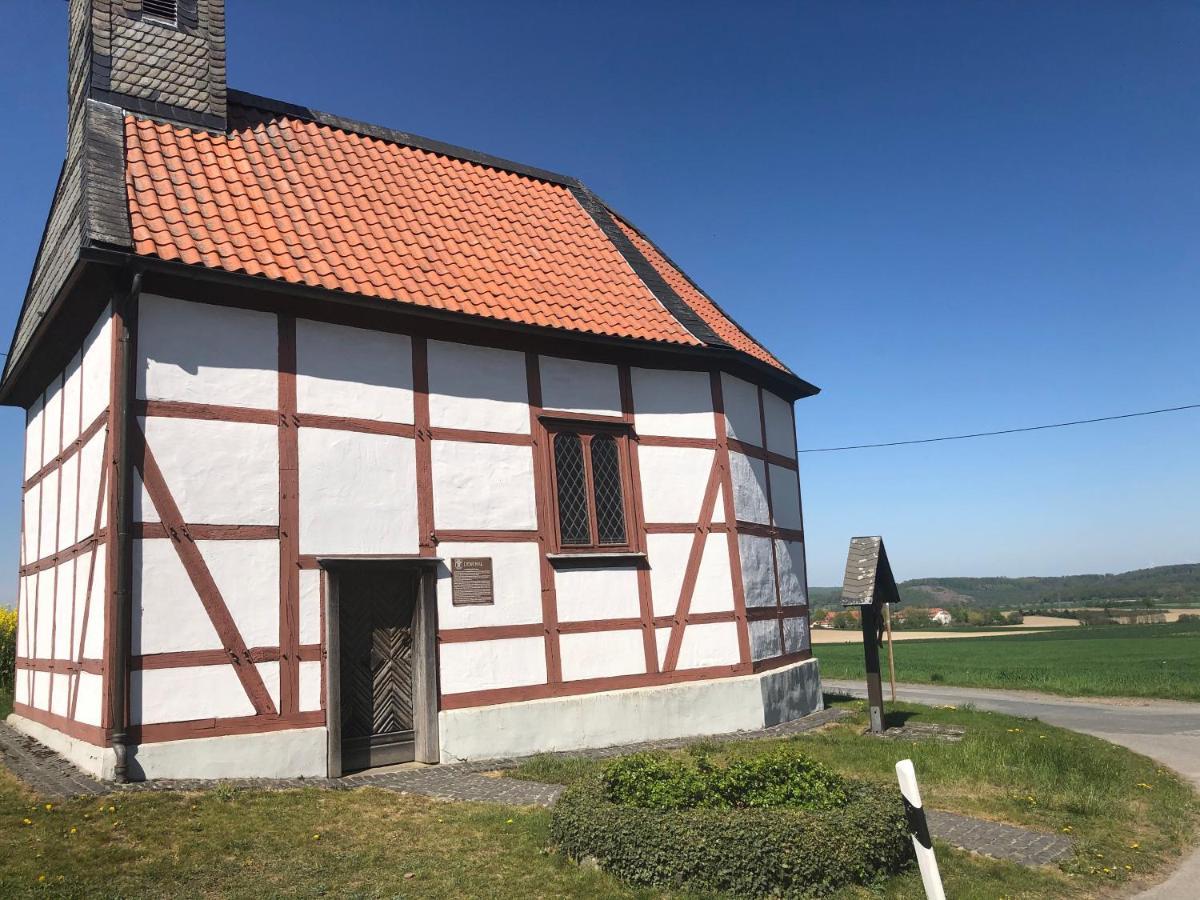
(919, 829)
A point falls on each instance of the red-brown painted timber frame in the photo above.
(545, 518)
(645, 590)
(731, 538)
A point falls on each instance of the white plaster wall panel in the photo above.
(792, 582)
(758, 572)
(52, 438)
(310, 607)
(30, 531)
(711, 644)
(22, 615)
(59, 694)
(795, 634)
(22, 685)
(89, 698)
(673, 483)
(357, 493)
(48, 524)
(91, 464)
(785, 497)
(200, 353)
(602, 593)
(749, 477)
(247, 575)
(577, 386)
(41, 690)
(674, 403)
(79, 588)
(186, 693)
(516, 583)
(220, 473)
(781, 432)
(269, 673)
(668, 556)
(33, 437)
(93, 641)
(72, 393)
(714, 584)
(482, 665)
(343, 371)
(97, 368)
(477, 387)
(764, 639)
(44, 614)
(69, 502)
(482, 486)
(64, 594)
(741, 410)
(602, 654)
(167, 612)
(309, 698)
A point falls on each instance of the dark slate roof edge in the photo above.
(678, 268)
(9, 358)
(657, 285)
(280, 107)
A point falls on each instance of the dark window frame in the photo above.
(622, 435)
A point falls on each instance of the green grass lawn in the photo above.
(369, 843)
(1100, 661)
(1009, 769)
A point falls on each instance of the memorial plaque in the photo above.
(471, 581)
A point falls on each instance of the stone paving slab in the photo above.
(51, 776)
(1021, 845)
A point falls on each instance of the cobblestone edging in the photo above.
(51, 776)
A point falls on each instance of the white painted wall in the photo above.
(53, 415)
(758, 574)
(781, 435)
(201, 353)
(672, 403)
(764, 639)
(311, 608)
(600, 593)
(516, 582)
(785, 497)
(343, 371)
(673, 483)
(72, 397)
(793, 585)
(741, 410)
(34, 421)
(602, 654)
(186, 693)
(482, 486)
(358, 493)
(582, 387)
(749, 477)
(220, 473)
(477, 388)
(481, 665)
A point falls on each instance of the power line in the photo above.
(979, 434)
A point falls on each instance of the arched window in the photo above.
(590, 485)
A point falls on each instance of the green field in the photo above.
(1105, 661)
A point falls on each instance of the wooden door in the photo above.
(376, 667)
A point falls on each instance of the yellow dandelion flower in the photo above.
(74, 830)
(1128, 868)
(316, 837)
(49, 806)
(41, 878)
(508, 822)
(27, 821)
(1135, 846)
(112, 809)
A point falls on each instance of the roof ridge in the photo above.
(391, 135)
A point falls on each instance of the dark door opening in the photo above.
(375, 621)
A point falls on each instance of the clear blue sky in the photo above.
(951, 216)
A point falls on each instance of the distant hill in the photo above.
(1166, 585)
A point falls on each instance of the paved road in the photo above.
(1164, 730)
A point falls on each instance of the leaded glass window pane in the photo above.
(572, 493)
(606, 483)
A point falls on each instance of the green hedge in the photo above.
(748, 852)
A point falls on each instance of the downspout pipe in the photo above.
(124, 375)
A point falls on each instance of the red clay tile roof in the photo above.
(297, 200)
(712, 315)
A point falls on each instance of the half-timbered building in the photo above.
(347, 447)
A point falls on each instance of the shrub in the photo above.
(782, 777)
(780, 851)
(8, 645)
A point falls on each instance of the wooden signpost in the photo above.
(869, 585)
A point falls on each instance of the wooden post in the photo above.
(870, 632)
(887, 618)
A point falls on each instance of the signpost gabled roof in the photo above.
(869, 578)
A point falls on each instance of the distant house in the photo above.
(939, 615)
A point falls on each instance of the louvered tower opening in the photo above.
(163, 10)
